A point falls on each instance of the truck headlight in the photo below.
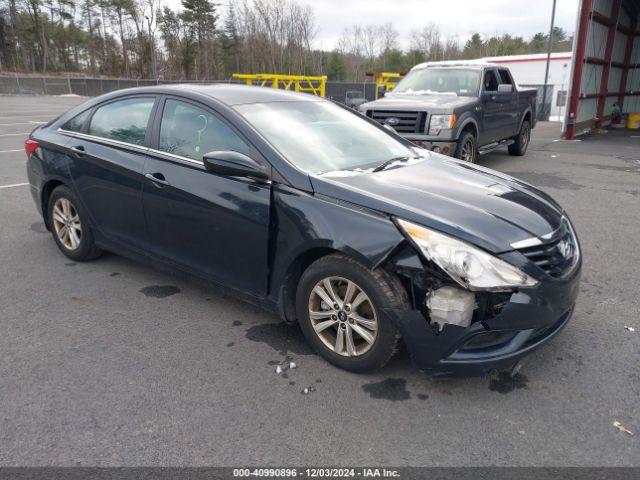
(472, 268)
(441, 122)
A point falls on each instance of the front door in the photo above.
(214, 226)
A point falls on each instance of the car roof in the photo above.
(227, 93)
(476, 64)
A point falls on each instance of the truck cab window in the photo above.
(490, 81)
(505, 78)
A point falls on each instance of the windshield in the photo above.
(453, 81)
(320, 137)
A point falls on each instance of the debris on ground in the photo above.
(631, 329)
(554, 156)
(308, 390)
(293, 365)
(279, 369)
(622, 428)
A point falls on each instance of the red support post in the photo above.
(627, 61)
(578, 65)
(606, 68)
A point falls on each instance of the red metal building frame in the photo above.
(587, 17)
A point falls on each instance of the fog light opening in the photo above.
(451, 305)
(436, 149)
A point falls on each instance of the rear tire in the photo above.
(467, 148)
(521, 141)
(362, 297)
(70, 226)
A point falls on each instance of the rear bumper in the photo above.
(531, 318)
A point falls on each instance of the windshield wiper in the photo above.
(386, 163)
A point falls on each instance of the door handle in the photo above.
(78, 150)
(156, 178)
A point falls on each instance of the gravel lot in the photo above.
(99, 366)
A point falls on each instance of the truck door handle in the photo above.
(157, 178)
(78, 150)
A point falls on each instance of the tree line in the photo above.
(144, 39)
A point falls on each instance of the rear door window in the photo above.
(190, 131)
(123, 120)
(505, 78)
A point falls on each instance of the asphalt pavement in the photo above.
(114, 363)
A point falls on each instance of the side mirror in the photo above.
(233, 164)
(505, 88)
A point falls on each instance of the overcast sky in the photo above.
(455, 17)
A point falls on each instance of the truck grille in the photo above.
(557, 255)
(401, 121)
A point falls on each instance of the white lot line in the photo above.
(14, 134)
(30, 122)
(11, 151)
(13, 185)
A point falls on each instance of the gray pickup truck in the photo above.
(463, 109)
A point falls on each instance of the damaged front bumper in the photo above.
(528, 319)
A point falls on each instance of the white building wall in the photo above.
(529, 70)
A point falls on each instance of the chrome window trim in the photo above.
(108, 141)
(143, 149)
(177, 157)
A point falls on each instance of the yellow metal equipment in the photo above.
(633, 121)
(385, 81)
(315, 85)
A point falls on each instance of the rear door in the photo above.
(214, 226)
(491, 109)
(511, 110)
(108, 154)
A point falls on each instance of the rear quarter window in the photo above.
(77, 122)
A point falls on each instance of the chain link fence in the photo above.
(92, 87)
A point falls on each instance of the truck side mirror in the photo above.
(505, 88)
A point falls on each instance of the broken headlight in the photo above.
(469, 266)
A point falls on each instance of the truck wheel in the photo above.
(467, 149)
(519, 148)
(341, 310)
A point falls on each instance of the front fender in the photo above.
(463, 122)
(304, 222)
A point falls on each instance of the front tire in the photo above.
(521, 141)
(341, 310)
(467, 148)
(70, 227)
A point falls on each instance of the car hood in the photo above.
(412, 101)
(475, 204)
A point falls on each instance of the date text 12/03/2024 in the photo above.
(317, 472)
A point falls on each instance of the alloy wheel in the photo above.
(526, 136)
(468, 153)
(66, 223)
(343, 316)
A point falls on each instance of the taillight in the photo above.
(30, 146)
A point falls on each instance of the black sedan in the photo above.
(319, 214)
